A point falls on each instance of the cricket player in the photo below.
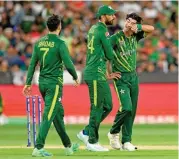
(127, 87)
(99, 50)
(52, 54)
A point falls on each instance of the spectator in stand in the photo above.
(22, 23)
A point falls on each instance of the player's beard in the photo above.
(109, 22)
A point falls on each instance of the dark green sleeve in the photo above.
(113, 40)
(106, 45)
(31, 69)
(140, 35)
(64, 54)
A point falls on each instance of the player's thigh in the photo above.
(52, 101)
(96, 90)
(42, 89)
(106, 94)
(123, 93)
(134, 91)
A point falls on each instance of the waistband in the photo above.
(129, 73)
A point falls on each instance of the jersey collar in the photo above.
(101, 23)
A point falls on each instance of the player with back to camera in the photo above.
(52, 53)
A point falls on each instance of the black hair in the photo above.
(135, 17)
(53, 22)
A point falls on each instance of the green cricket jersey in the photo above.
(52, 53)
(99, 50)
(125, 51)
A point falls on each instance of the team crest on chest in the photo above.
(107, 34)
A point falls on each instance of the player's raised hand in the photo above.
(77, 83)
(116, 75)
(27, 90)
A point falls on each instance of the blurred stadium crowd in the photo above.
(22, 23)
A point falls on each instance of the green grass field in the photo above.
(154, 141)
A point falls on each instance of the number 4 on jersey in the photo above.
(90, 44)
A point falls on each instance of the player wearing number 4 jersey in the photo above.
(51, 53)
(98, 52)
(125, 45)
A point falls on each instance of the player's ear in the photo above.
(59, 28)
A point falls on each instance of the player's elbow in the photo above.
(150, 29)
(110, 57)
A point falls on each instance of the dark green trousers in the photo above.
(127, 89)
(53, 112)
(101, 106)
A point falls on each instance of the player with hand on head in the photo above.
(127, 87)
(99, 50)
(52, 54)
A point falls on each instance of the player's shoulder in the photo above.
(101, 28)
(116, 34)
(119, 33)
(61, 43)
(43, 38)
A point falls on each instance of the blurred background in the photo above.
(23, 23)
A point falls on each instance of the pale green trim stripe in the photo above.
(123, 48)
(126, 62)
(130, 41)
(120, 108)
(60, 80)
(145, 34)
(122, 38)
(53, 102)
(95, 92)
(122, 63)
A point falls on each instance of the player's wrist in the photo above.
(28, 85)
(139, 27)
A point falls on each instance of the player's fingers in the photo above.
(25, 93)
(117, 75)
(76, 83)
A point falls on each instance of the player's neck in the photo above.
(102, 21)
(53, 32)
(127, 33)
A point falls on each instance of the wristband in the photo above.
(139, 27)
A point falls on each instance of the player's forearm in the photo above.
(64, 53)
(72, 71)
(108, 70)
(106, 43)
(31, 69)
(108, 49)
(147, 28)
(113, 40)
(30, 73)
